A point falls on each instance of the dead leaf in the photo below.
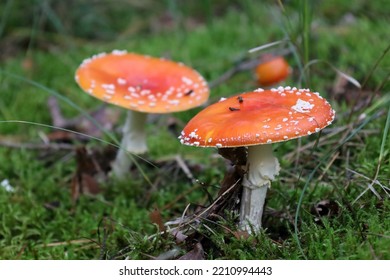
(168, 255)
(85, 179)
(241, 234)
(156, 218)
(84, 184)
(28, 64)
(236, 155)
(105, 116)
(195, 254)
(325, 208)
(52, 205)
(179, 235)
(60, 136)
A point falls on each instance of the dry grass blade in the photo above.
(185, 168)
(266, 46)
(195, 254)
(338, 71)
(370, 186)
(37, 146)
(322, 141)
(66, 243)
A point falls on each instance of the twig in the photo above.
(334, 157)
(179, 160)
(64, 243)
(55, 112)
(323, 138)
(33, 146)
(369, 186)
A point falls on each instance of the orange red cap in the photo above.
(142, 83)
(272, 71)
(259, 117)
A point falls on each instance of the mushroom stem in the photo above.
(133, 141)
(262, 167)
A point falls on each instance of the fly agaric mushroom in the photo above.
(141, 84)
(256, 120)
(273, 70)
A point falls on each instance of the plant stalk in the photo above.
(133, 142)
(262, 167)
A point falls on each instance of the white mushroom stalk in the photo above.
(133, 142)
(262, 167)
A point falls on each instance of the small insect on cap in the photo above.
(259, 117)
(142, 83)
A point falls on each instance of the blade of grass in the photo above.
(285, 26)
(385, 137)
(4, 16)
(368, 76)
(313, 172)
(267, 46)
(338, 71)
(305, 15)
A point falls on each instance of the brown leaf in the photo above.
(84, 180)
(52, 205)
(60, 136)
(241, 234)
(168, 255)
(325, 208)
(195, 254)
(86, 163)
(232, 176)
(89, 185)
(236, 155)
(156, 218)
(105, 116)
(28, 64)
(179, 235)
(84, 184)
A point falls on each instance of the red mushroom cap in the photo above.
(272, 71)
(259, 117)
(142, 83)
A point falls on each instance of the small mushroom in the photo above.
(273, 70)
(264, 117)
(141, 84)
